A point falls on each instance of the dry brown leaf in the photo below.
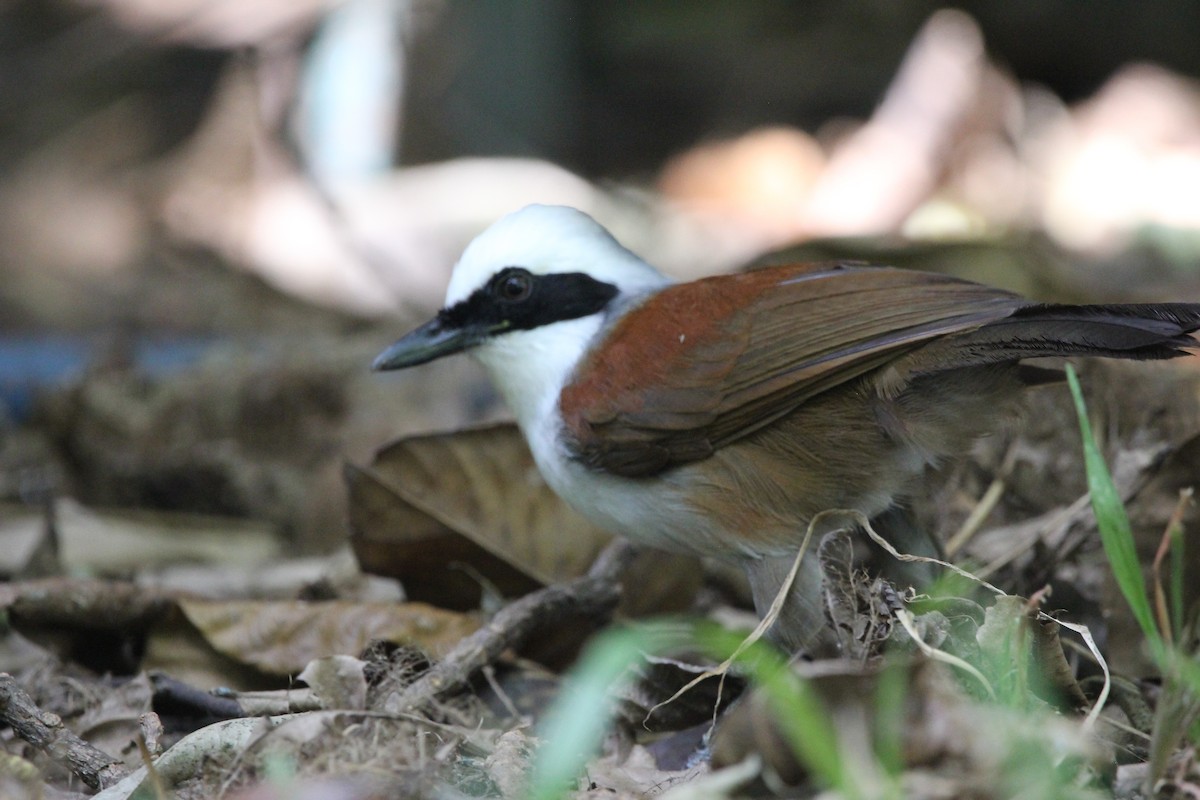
(429, 504)
(280, 638)
(175, 647)
(483, 484)
(391, 537)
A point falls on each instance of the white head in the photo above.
(549, 240)
(526, 299)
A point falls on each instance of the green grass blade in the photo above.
(575, 725)
(1115, 532)
(801, 715)
(1176, 580)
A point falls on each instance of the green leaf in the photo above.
(800, 713)
(1115, 532)
(574, 726)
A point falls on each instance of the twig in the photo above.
(985, 505)
(74, 604)
(594, 594)
(176, 698)
(46, 732)
(1170, 535)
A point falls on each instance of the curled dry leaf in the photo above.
(338, 681)
(393, 538)
(280, 638)
(431, 510)
(483, 484)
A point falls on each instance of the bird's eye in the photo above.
(514, 287)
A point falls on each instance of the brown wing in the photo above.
(702, 364)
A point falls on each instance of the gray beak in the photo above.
(428, 342)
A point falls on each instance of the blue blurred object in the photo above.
(351, 90)
(30, 364)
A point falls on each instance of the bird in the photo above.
(719, 416)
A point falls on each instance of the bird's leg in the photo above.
(802, 625)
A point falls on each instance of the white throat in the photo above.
(530, 368)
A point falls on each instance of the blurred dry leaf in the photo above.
(123, 541)
(175, 647)
(224, 23)
(968, 744)
(120, 542)
(338, 681)
(481, 484)
(475, 498)
(280, 638)
(336, 574)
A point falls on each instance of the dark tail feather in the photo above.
(1134, 331)
(1153, 330)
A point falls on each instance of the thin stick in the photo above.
(595, 595)
(985, 505)
(46, 732)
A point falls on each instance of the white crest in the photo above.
(549, 239)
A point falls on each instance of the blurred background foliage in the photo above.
(136, 132)
(213, 211)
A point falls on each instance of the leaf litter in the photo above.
(216, 647)
(226, 671)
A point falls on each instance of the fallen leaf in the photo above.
(116, 542)
(280, 638)
(391, 537)
(338, 682)
(443, 512)
(482, 483)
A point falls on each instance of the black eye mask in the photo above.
(513, 300)
(543, 299)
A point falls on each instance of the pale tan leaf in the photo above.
(339, 682)
(282, 637)
(116, 541)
